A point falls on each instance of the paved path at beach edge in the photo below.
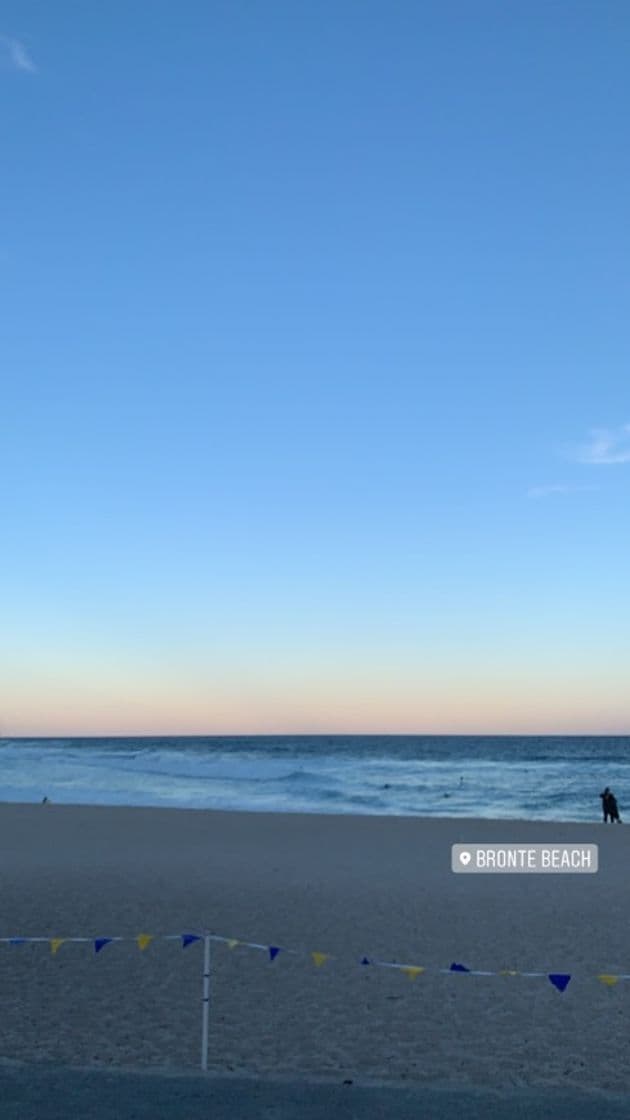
(46, 1092)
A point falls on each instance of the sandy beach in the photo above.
(348, 886)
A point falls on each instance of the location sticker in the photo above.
(558, 859)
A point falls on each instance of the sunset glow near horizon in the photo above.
(314, 369)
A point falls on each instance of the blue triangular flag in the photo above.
(459, 968)
(17, 940)
(559, 980)
(100, 943)
(188, 938)
(365, 961)
(273, 952)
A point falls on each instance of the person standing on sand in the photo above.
(613, 809)
(610, 807)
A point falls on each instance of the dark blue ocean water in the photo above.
(544, 778)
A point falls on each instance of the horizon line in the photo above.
(328, 735)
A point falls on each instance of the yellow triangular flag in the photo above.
(55, 944)
(412, 971)
(319, 959)
(232, 943)
(508, 972)
(144, 939)
(607, 978)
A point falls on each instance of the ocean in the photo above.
(535, 778)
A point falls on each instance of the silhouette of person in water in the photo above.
(610, 807)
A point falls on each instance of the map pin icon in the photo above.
(464, 857)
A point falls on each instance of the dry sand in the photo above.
(345, 885)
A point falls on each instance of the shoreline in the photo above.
(96, 806)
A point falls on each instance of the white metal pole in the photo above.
(205, 1004)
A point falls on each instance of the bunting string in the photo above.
(318, 958)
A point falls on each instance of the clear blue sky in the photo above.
(314, 366)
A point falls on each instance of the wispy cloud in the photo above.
(15, 54)
(606, 445)
(557, 488)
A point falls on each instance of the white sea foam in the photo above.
(474, 777)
